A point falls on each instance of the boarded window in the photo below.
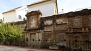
(77, 22)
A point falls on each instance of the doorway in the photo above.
(33, 39)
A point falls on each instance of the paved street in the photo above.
(15, 48)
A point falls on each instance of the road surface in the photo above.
(16, 48)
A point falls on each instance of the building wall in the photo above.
(55, 28)
(10, 17)
(1, 16)
(13, 16)
(65, 27)
(22, 12)
(46, 8)
(78, 28)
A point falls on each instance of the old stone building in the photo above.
(72, 25)
(61, 28)
(33, 34)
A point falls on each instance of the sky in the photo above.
(66, 5)
(73, 5)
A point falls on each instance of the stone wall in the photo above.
(69, 27)
(71, 24)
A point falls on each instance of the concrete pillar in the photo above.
(29, 43)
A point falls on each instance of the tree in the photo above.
(10, 34)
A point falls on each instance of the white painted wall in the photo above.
(1, 16)
(13, 16)
(10, 17)
(46, 8)
(22, 11)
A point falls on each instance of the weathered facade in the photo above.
(61, 28)
(72, 25)
(33, 33)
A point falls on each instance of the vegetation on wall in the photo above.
(10, 34)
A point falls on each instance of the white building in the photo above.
(1, 16)
(14, 15)
(46, 7)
